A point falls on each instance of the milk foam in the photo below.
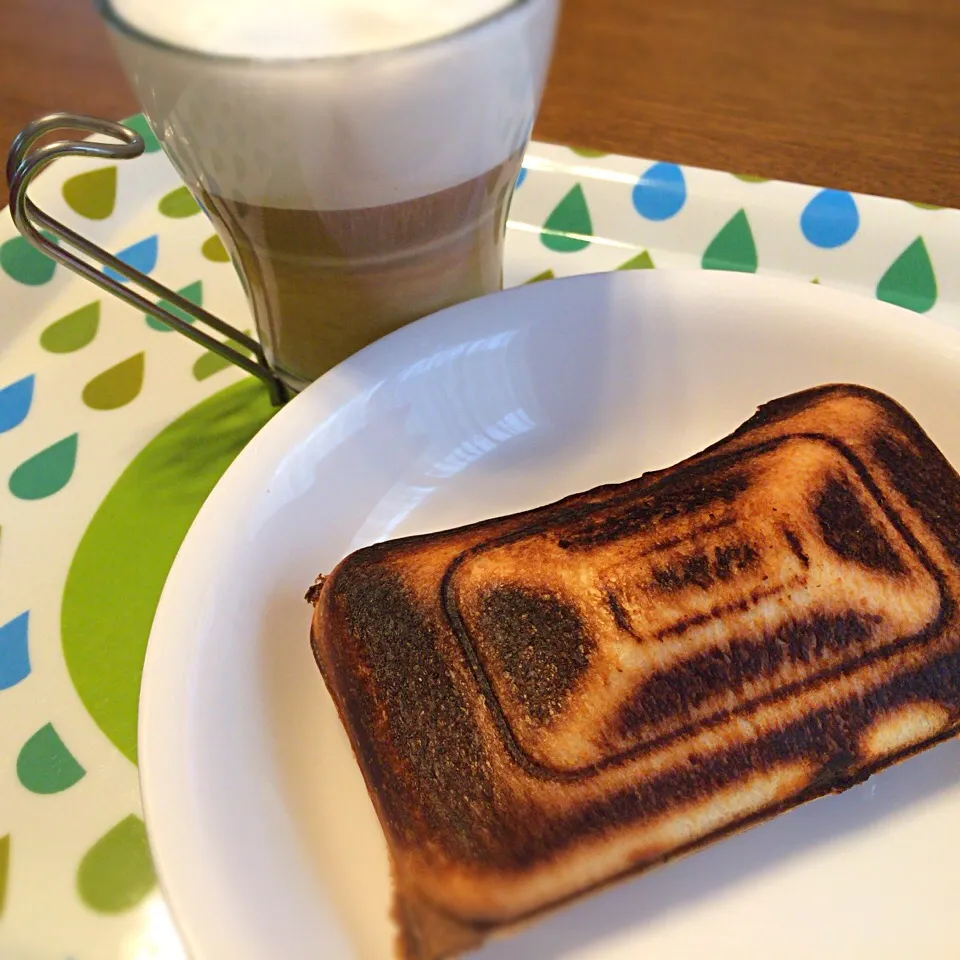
(301, 28)
(339, 132)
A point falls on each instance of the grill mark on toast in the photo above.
(620, 616)
(796, 547)
(702, 570)
(668, 544)
(681, 626)
(679, 690)
(826, 738)
(692, 496)
(733, 558)
(542, 674)
(524, 858)
(847, 529)
(418, 717)
(927, 482)
(695, 471)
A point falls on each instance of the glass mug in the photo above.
(355, 193)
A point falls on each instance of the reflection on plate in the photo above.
(264, 838)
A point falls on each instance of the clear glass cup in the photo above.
(355, 193)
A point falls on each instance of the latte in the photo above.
(357, 156)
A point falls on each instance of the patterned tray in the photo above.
(112, 433)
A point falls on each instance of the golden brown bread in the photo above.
(545, 702)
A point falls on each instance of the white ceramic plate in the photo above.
(262, 832)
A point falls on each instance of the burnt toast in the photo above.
(545, 702)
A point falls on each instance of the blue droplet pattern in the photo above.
(141, 256)
(661, 192)
(830, 219)
(15, 401)
(14, 651)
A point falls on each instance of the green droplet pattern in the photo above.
(909, 281)
(23, 262)
(543, 275)
(45, 765)
(138, 122)
(179, 204)
(569, 227)
(117, 872)
(116, 386)
(214, 250)
(92, 194)
(46, 472)
(588, 152)
(211, 363)
(750, 178)
(733, 247)
(73, 331)
(642, 261)
(192, 292)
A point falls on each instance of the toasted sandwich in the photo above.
(546, 702)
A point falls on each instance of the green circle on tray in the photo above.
(129, 546)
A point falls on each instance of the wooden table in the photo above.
(856, 94)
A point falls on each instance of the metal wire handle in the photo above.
(24, 162)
